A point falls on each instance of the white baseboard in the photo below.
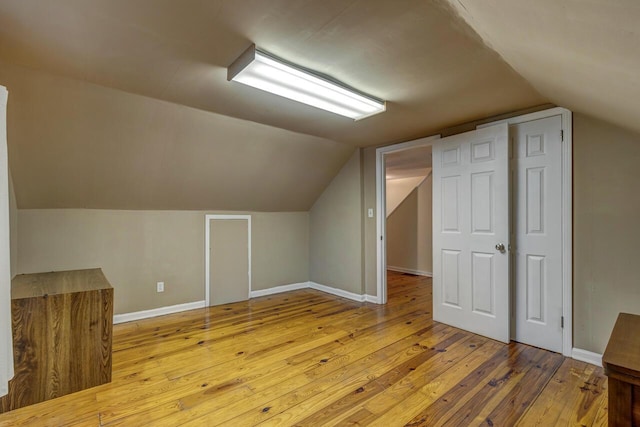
(337, 292)
(317, 287)
(155, 312)
(410, 271)
(279, 289)
(587, 356)
(372, 299)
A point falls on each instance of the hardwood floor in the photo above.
(309, 358)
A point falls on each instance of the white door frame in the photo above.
(567, 212)
(381, 210)
(207, 255)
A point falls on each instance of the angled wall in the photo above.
(335, 234)
(76, 145)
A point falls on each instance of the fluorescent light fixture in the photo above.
(266, 72)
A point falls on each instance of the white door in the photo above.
(229, 267)
(537, 237)
(471, 232)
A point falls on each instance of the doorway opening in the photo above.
(406, 170)
(408, 176)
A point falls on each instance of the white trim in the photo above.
(537, 115)
(410, 271)
(587, 356)
(155, 312)
(279, 289)
(567, 212)
(381, 208)
(161, 311)
(207, 244)
(6, 344)
(318, 287)
(567, 230)
(337, 292)
(372, 299)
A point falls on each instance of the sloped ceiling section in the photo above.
(583, 55)
(74, 144)
(419, 55)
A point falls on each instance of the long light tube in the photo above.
(263, 71)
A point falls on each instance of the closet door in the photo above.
(229, 254)
(537, 164)
(471, 232)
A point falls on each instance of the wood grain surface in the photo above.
(312, 359)
(62, 340)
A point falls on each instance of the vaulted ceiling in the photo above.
(125, 104)
(581, 54)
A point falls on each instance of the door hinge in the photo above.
(562, 135)
(380, 237)
(562, 322)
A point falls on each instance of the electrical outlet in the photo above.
(370, 213)
(160, 287)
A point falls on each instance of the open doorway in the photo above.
(408, 176)
(408, 165)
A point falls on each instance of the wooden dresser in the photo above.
(621, 361)
(62, 328)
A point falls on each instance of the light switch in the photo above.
(370, 213)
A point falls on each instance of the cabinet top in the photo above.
(623, 350)
(58, 282)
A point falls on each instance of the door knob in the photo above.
(500, 247)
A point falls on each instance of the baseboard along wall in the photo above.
(155, 312)
(161, 311)
(586, 356)
(410, 271)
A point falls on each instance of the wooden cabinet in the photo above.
(62, 329)
(621, 361)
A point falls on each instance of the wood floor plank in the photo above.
(321, 374)
(435, 388)
(313, 359)
(493, 373)
(574, 397)
(522, 393)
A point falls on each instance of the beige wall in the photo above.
(280, 249)
(335, 231)
(409, 234)
(138, 248)
(13, 227)
(606, 213)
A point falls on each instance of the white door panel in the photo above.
(471, 194)
(537, 233)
